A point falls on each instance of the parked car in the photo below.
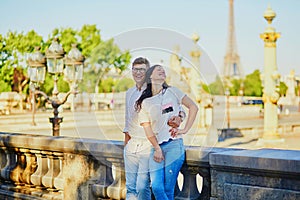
(252, 102)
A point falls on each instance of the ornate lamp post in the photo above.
(271, 77)
(73, 73)
(196, 83)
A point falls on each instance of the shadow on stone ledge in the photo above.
(229, 133)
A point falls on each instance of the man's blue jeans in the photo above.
(137, 174)
(164, 174)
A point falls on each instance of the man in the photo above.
(137, 147)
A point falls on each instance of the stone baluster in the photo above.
(31, 166)
(17, 172)
(59, 181)
(53, 171)
(189, 189)
(42, 168)
(117, 189)
(206, 185)
(10, 164)
(99, 189)
(37, 176)
(3, 159)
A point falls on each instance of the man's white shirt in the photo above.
(138, 141)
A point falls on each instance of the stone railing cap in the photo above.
(62, 144)
(201, 154)
(261, 159)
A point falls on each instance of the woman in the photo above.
(157, 104)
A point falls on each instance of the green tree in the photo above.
(90, 38)
(106, 85)
(123, 84)
(86, 39)
(28, 42)
(6, 77)
(48, 85)
(235, 86)
(297, 90)
(112, 85)
(89, 81)
(14, 51)
(107, 56)
(16, 47)
(217, 87)
(252, 84)
(66, 37)
(204, 87)
(5, 87)
(282, 88)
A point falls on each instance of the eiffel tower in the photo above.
(232, 66)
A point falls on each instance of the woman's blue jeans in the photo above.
(164, 174)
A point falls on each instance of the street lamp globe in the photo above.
(74, 61)
(37, 66)
(55, 54)
(55, 62)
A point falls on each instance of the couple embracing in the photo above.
(154, 150)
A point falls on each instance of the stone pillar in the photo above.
(195, 71)
(175, 64)
(202, 97)
(77, 171)
(291, 84)
(271, 78)
(178, 74)
(195, 82)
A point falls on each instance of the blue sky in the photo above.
(207, 18)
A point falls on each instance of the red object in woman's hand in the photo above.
(174, 121)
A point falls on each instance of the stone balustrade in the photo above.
(46, 167)
(8, 100)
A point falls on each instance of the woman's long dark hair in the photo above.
(148, 91)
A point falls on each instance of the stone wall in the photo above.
(46, 167)
(255, 174)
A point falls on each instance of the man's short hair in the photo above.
(140, 61)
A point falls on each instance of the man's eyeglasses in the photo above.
(142, 70)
